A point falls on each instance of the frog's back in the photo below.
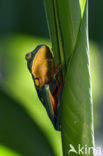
(43, 65)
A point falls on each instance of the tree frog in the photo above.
(48, 81)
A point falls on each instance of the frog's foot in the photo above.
(58, 69)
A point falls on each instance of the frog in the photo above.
(48, 81)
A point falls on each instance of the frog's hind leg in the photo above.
(53, 102)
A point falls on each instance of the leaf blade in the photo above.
(77, 119)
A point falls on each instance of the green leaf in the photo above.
(5, 151)
(69, 31)
(64, 20)
(95, 70)
(77, 119)
(19, 132)
(69, 15)
(82, 6)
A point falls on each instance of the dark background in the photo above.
(29, 17)
(23, 17)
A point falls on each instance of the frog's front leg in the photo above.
(57, 70)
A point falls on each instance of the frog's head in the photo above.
(30, 56)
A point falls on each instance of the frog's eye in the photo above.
(28, 56)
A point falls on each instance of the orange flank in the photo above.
(54, 97)
(54, 103)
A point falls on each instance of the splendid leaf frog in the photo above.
(48, 81)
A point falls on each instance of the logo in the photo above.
(84, 150)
